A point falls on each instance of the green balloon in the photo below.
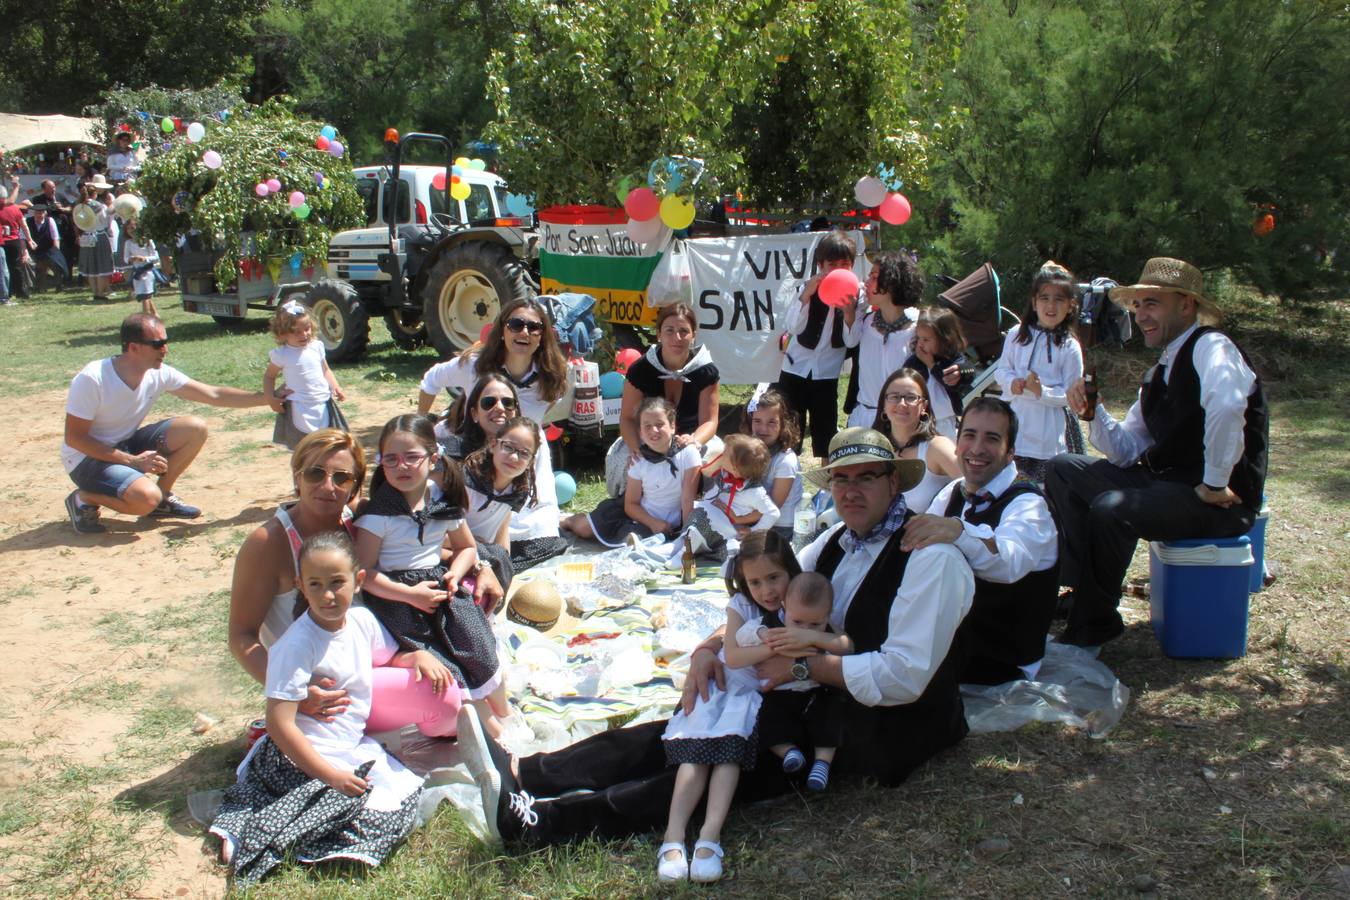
(302, 211)
(166, 125)
(625, 185)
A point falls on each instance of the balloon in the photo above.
(895, 209)
(456, 170)
(625, 358)
(677, 212)
(870, 190)
(477, 165)
(195, 132)
(295, 199)
(296, 259)
(482, 335)
(335, 149)
(455, 179)
(565, 486)
(261, 189)
(281, 154)
(623, 187)
(1264, 225)
(321, 143)
(302, 211)
(438, 181)
(459, 191)
(611, 385)
(838, 287)
(211, 159)
(552, 433)
(273, 184)
(85, 217)
(646, 231)
(166, 125)
(463, 162)
(642, 204)
(318, 178)
(177, 124)
(328, 131)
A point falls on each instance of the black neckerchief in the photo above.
(668, 457)
(511, 497)
(886, 329)
(388, 501)
(523, 383)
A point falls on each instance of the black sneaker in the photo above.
(508, 809)
(173, 508)
(83, 516)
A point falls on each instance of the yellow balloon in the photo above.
(459, 191)
(462, 162)
(677, 212)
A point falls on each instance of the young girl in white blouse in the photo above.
(499, 480)
(307, 403)
(1041, 358)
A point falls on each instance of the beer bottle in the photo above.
(1090, 392)
(687, 562)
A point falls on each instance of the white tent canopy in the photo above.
(19, 131)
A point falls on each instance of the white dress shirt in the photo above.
(1226, 381)
(878, 356)
(1026, 536)
(823, 361)
(934, 596)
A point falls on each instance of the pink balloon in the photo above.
(838, 287)
(645, 231)
(295, 199)
(482, 335)
(274, 184)
(625, 358)
(895, 209)
(642, 204)
(261, 189)
(211, 159)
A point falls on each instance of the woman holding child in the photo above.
(328, 469)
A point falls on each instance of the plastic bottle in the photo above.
(803, 523)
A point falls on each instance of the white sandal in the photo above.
(668, 870)
(706, 868)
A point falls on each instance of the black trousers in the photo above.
(1104, 510)
(805, 719)
(816, 403)
(18, 282)
(630, 783)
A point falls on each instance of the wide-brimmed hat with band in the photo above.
(1162, 273)
(537, 604)
(857, 446)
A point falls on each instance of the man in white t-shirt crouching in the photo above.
(108, 453)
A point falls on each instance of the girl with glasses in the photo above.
(414, 542)
(499, 478)
(905, 415)
(522, 346)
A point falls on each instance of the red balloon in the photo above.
(625, 358)
(321, 143)
(482, 335)
(438, 181)
(642, 204)
(838, 287)
(552, 432)
(895, 209)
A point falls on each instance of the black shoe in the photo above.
(1063, 605)
(508, 809)
(1093, 634)
(172, 508)
(83, 516)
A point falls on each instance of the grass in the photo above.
(1213, 785)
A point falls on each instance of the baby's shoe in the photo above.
(706, 868)
(793, 761)
(819, 778)
(673, 868)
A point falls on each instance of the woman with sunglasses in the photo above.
(328, 468)
(522, 346)
(490, 404)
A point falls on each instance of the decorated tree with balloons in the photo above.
(265, 172)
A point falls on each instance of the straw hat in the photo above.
(1163, 273)
(99, 183)
(855, 446)
(537, 604)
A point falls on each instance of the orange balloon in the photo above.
(1264, 225)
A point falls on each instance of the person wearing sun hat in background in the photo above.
(1187, 461)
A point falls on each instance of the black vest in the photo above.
(868, 623)
(1176, 422)
(42, 236)
(1007, 622)
(815, 325)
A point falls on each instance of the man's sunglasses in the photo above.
(317, 474)
(158, 345)
(485, 403)
(516, 325)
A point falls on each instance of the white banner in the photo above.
(743, 288)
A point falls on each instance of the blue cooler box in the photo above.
(1198, 593)
(1257, 581)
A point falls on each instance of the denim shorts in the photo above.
(113, 479)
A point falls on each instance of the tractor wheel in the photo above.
(340, 320)
(406, 328)
(465, 290)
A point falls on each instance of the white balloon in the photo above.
(644, 232)
(870, 190)
(196, 131)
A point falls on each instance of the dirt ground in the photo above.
(67, 594)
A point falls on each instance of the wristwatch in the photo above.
(800, 670)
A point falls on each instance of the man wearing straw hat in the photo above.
(1187, 461)
(901, 698)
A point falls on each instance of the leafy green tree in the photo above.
(183, 193)
(122, 105)
(1101, 133)
(785, 99)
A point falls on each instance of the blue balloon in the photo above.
(565, 486)
(328, 131)
(611, 385)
